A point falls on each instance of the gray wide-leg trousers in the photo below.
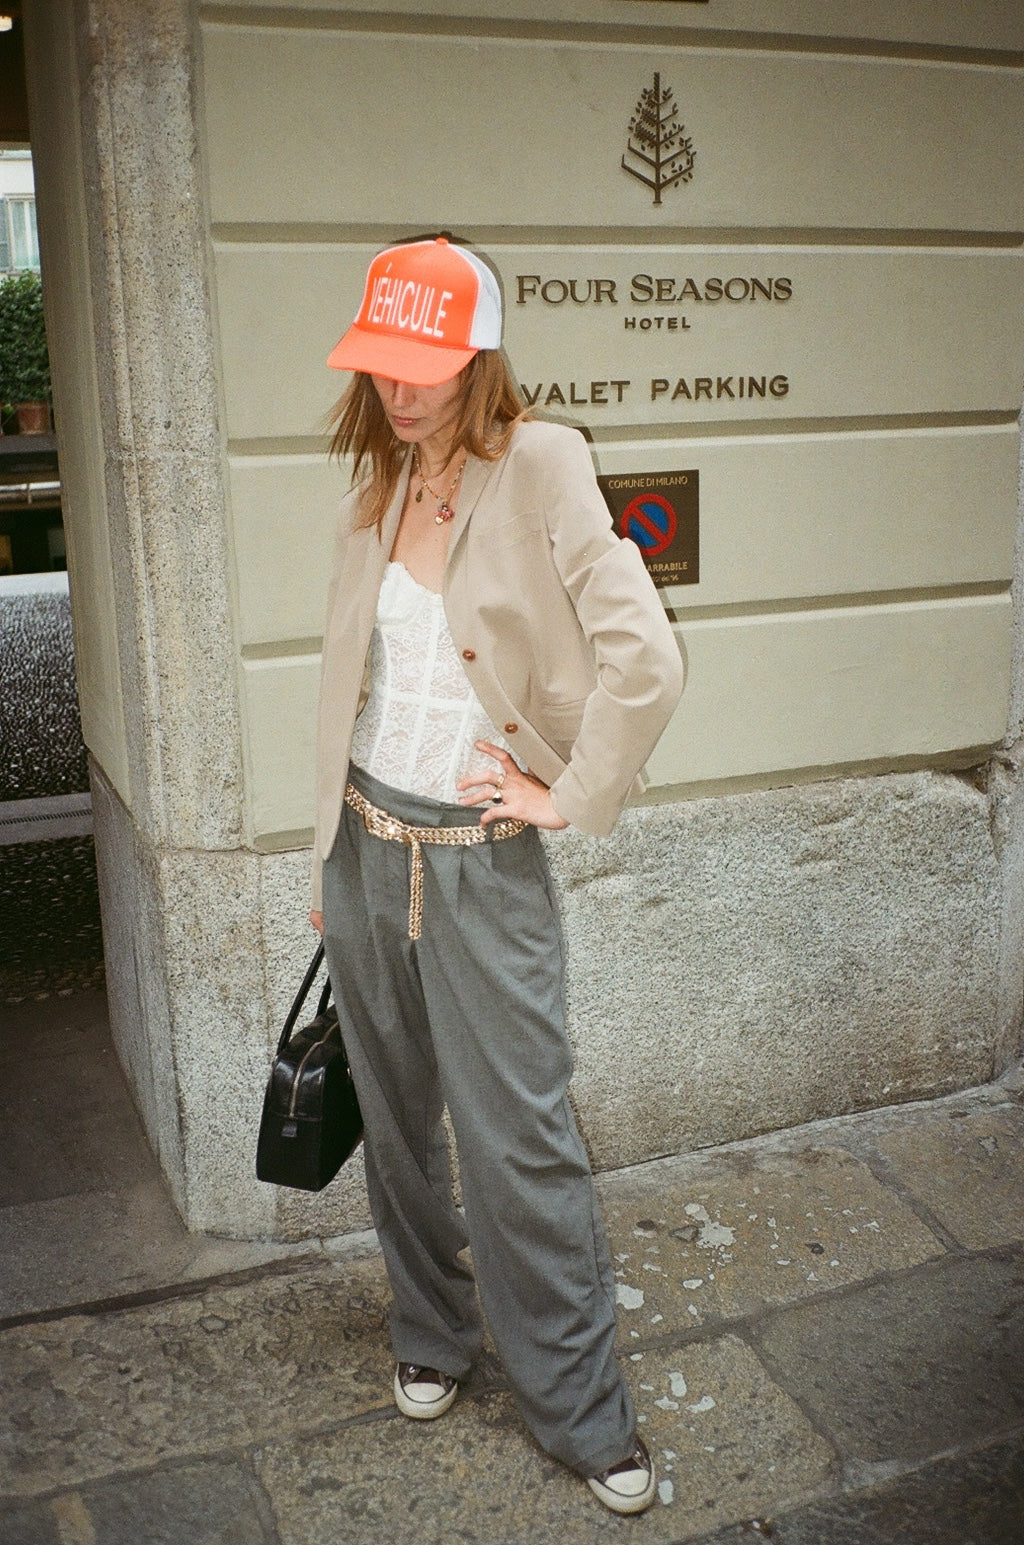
(471, 1015)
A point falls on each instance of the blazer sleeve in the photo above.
(639, 663)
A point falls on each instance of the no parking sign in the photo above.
(659, 512)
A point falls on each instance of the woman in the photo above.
(495, 661)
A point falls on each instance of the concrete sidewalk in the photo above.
(823, 1329)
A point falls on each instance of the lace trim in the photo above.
(418, 727)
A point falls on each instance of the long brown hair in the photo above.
(489, 409)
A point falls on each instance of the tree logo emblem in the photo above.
(659, 154)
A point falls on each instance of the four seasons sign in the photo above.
(662, 353)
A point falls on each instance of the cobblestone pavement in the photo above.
(51, 940)
(40, 727)
(50, 936)
(823, 1330)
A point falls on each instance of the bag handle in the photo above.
(303, 993)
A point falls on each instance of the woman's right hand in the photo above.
(523, 796)
(317, 919)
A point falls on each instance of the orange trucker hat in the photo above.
(427, 308)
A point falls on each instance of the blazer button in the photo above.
(511, 727)
(469, 654)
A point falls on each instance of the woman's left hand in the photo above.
(523, 797)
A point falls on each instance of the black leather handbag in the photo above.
(311, 1121)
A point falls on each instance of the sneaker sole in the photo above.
(617, 1503)
(423, 1410)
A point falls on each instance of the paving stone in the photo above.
(202, 1504)
(86, 1214)
(722, 1433)
(974, 1499)
(79, 1249)
(731, 1441)
(968, 1167)
(909, 1368)
(32, 1525)
(716, 1236)
(85, 1396)
(76, 1133)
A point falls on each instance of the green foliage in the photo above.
(24, 361)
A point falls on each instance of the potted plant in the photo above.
(24, 360)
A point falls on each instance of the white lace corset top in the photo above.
(421, 719)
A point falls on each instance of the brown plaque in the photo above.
(659, 512)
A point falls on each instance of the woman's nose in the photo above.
(402, 394)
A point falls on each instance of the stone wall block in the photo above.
(133, 948)
(215, 981)
(289, 939)
(1015, 727)
(760, 960)
(192, 730)
(145, 69)
(204, 955)
(288, 945)
(238, 942)
(159, 404)
(1006, 796)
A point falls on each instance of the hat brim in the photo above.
(400, 359)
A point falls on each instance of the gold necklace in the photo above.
(444, 502)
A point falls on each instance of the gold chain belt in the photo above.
(379, 824)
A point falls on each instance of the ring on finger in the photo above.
(499, 781)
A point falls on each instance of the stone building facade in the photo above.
(782, 252)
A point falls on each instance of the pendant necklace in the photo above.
(444, 502)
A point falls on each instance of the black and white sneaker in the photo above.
(423, 1393)
(629, 1486)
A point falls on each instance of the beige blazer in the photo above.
(560, 628)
